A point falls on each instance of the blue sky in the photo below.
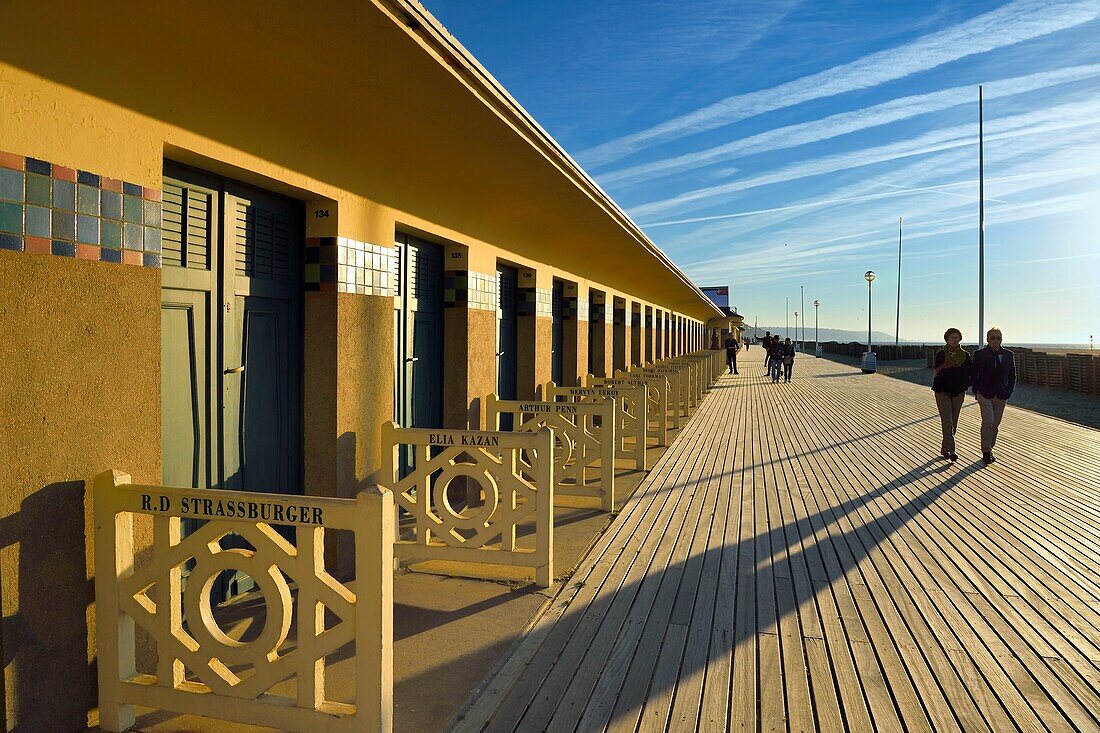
(766, 145)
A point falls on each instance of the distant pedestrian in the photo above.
(767, 346)
(788, 359)
(732, 347)
(993, 376)
(775, 358)
(951, 380)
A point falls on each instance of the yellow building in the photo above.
(235, 238)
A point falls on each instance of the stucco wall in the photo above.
(79, 394)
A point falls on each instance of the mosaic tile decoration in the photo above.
(471, 289)
(343, 265)
(49, 209)
(537, 302)
(570, 307)
(599, 313)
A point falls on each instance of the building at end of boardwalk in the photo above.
(236, 238)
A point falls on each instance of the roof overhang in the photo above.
(375, 98)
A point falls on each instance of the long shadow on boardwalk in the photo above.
(621, 635)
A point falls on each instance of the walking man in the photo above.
(767, 347)
(732, 347)
(775, 356)
(993, 379)
(788, 360)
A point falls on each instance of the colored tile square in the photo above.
(37, 245)
(39, 190)
(313, 255)
(63, 225)
(11, 160)
(87, 200)
(110, 184)
(151, 194)
(62, 173)
(11, 185)
(312, 273)
(87, 179)
(131, 189)
(11, 218)
(110, 206)
(131, 236)
(37, 221)
(110, 255)
(312, 286)
(110, 234)
(11, 242)
(64, 195)
(328, 273)
(34, 165)
(131, 209)
(87, 229)
(150, 260)
(131, 258)
(151, 240)
(87, 252)
(63, 249)
(151, 213)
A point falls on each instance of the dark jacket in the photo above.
(788, 353)
(990, 378)
(732, 347)
(953, 380)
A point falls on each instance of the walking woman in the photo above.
(952, 379)
(788, 359)
(775, 358)
(994, 377)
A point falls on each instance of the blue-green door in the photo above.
(230, 339)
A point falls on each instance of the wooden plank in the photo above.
(794, 563)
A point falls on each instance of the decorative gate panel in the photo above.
(632, 421)
(584, 444)
(200, 669)
(514, 485)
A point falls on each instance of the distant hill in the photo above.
(831, 334)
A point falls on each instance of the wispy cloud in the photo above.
(846, 123)
(1013, 23)
(1051, 119)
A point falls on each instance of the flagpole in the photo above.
(897, 322)
(981, 220)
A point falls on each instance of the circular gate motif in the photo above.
(474, 517)
(277, 602)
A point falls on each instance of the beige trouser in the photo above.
(992, 409)
(949, 408)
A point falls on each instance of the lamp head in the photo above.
(817, 303)
(869, 275)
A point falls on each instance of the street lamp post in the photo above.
(802, 290)
(817, 341)
(796, 331)
(868, 363)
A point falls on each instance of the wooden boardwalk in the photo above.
(802, 560)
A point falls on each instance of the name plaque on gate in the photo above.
(552, 407)
(590, 391)
(199, 507)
